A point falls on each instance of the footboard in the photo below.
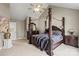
(54, 46)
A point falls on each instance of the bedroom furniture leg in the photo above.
(30, 32)
(50, 52)
(63, 30)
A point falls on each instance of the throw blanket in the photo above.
(42, 41)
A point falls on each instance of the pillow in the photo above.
(54, 28)
(57, 32)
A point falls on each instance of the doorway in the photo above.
(13, 30)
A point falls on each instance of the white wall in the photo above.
(4, 9)
(41, 25)
(20, 29)
(71, 19)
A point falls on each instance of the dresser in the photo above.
(71, 40)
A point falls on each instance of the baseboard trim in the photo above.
(21, 38)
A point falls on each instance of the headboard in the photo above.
(54, 28)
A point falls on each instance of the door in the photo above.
(13, 30)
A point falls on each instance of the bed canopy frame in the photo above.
(50, 52)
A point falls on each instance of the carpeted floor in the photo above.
(66, 50)
(22, 48)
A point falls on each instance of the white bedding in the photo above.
(57, 38)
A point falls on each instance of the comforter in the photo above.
(42, 40)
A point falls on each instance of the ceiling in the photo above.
(21, 10)
(67, 5)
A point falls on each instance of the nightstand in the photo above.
(71, 40)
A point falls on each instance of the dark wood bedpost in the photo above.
(63, 24)
(30, 32)
(45, 24)
(50, 52)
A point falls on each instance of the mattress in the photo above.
(56, 38)
(41, 40)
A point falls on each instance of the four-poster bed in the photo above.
(52, 37)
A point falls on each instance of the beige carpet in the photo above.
(22, 48)
(66, 50)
